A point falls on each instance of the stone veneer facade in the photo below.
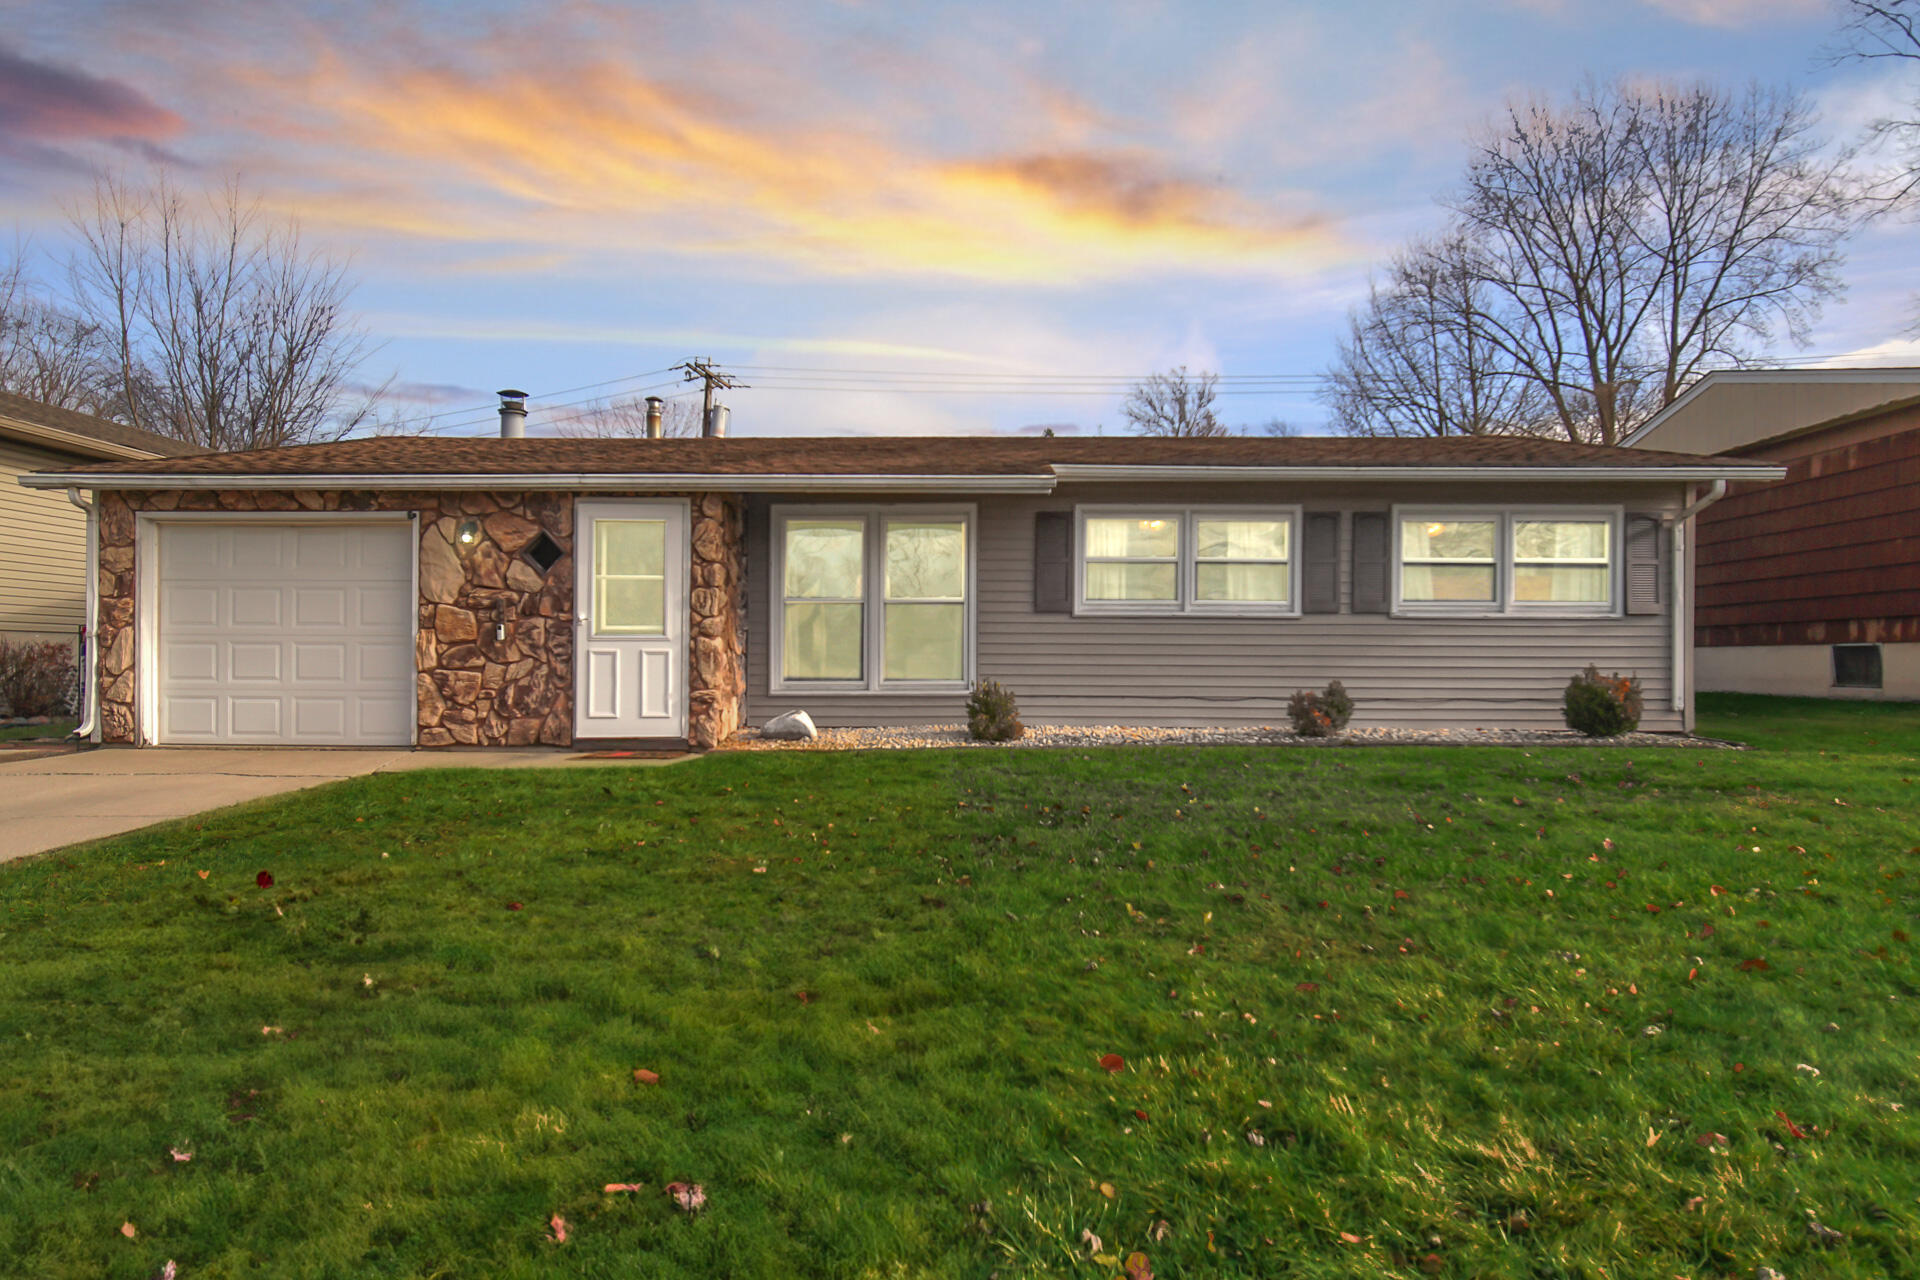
(472, 689)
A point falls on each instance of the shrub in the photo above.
(1603, 706)
(33, 678)
(992, 713)
(1320, 715)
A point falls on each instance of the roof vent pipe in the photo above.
(717, 420)
(513, 414)
(656, 408)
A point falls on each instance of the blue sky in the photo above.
(551, 197)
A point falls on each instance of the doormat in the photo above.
(630, 755)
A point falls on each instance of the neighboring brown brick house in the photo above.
(515, 591)
(1809, 586)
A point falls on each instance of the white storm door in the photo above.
(295, 633)
(630, 602)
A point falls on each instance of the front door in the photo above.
(630, 602)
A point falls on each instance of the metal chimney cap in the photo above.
(511, 394)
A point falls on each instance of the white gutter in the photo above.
(1683, 603)
(596, 482)
(89, 726)
(1103, 472)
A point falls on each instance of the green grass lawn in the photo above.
(1470, 1012)
(59, 727)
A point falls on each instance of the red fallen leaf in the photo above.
(1401, 893)
(1653, 910)
(557, 1229)
(1739, 1066)
(613, 1187)
(264, 880)
(513, 906)
(1433, 1264)
(1612, 885)
(1706, 931)
(643, 1076)
(1607, 845)
(1715, 890)
(1754, 965)
(1792, 1128)
(1691, 974)
(127, 1230)
(1306, 986)
(1713, 1140)
(1323, 903)
(1140, 1115)
(804, 997)
(1136, 1267)
(1113, 1062)
(1348, 1236)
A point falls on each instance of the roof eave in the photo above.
(548, 481)
(1101, 472)
(71, 441)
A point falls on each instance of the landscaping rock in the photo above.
(790, 726)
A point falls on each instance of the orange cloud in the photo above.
(602, 155)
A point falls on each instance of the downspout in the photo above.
(1682, 603)
(89, 726)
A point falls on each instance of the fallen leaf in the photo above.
(1093, 1242)
(1139, 1115)
(1754, 966)
(167, 1271)
(1137, 1267)
(804, 997)
(1792, 1128)
(272, 1031)
(1349, 1237)
(201, 874)
(1160, 1231)
(557, 1229)
(127, 1230)
(1653, 1135)
(513, 906)
(179, 1156)
(1433, 1264)
(690, 1196)
(612, 1187)
(264, 880)
(1113, 1062)
(1106, 1189)
(643, 1076)
(1306, 986)
(1713, 1140)
(1694, 1202)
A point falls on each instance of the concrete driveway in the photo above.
(54, 800)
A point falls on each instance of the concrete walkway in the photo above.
(48, 801)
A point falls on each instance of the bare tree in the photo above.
(628, 417)
(1609, 251)
(1175, 403)
(1881, 30)
(226, 331)
(47, 353)
(1418, 360)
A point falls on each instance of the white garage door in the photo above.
(286, 633)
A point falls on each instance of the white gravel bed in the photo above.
(1114, 735)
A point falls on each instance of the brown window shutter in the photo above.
(1646, 565)
(1320, 563)
(1371, 572)
(1053, 562)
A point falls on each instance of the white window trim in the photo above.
(873, 601)
(1503, 604)
(1186, 561)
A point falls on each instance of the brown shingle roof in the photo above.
(883, 456)
(85, 425)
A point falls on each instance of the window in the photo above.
(1527, 561)
(1191, 560)
(629, 577)
(1857, 666)
(874, 598)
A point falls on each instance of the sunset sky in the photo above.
(965, 197)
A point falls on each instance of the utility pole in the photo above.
(703, 371)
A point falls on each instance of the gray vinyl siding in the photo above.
(43, 551)
(1426, 672)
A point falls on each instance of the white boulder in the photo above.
(790, 726)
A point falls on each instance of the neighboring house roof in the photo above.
(81, 434)
(981, 463)
(1732, 409)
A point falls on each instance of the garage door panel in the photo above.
(254, 606)
(254, 662)
(297, 633)
(319, 606)
(324, 663)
